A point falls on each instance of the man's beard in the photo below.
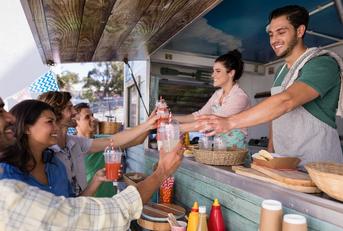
(289, 49)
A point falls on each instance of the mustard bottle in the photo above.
(186, 139)
(193, 218)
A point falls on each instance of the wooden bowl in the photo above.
(133, 178)
(328, 177)
(159, 212)
(153, 225)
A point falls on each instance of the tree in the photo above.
(106, 78)
(66, 79)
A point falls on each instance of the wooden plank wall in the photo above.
(107, 30)
(191, 10)
(63, 20)
(124, 16)
(94, 19)
(241, 209)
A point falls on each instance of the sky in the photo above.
(79, 68)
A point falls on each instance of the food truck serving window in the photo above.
(185, 97)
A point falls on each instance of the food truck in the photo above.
(169, 48)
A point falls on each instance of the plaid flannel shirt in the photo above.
(23, 207)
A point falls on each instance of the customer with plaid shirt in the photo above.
(24, 207)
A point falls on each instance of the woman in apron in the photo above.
(228, 100)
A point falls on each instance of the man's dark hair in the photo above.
(56, 99)
(296, 15)
(78, 107)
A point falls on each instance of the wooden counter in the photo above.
(241, 196)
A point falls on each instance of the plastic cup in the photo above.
(112, 163)
(164, 117)
(170, 136)
(218, 143)
(182, 227)
(294, 222)
(271, 216)
(206, 143)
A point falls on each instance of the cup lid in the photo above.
(294, 219)
(271, 205)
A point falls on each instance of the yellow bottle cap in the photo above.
(195, 207)
(216, 202)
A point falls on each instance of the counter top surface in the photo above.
(315, 205)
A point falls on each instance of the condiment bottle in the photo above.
(186, 139)
(271, 216)
(294, 222)
(202, 224)
(216, 221)
(193, 218)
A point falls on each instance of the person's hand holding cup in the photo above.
(112, 163)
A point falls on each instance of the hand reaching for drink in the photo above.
(212, 124)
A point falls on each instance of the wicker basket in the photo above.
(229, 157)
(328, 177)
(109, 128)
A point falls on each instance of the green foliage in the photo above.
(88, 94)
(66, 79)
(106, 79)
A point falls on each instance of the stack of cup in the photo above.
(294, 222)
(166, 190)
(271, 216)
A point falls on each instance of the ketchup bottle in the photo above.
(216, 221)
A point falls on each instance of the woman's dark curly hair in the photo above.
(26, 113)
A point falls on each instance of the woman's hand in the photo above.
(212, 124)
